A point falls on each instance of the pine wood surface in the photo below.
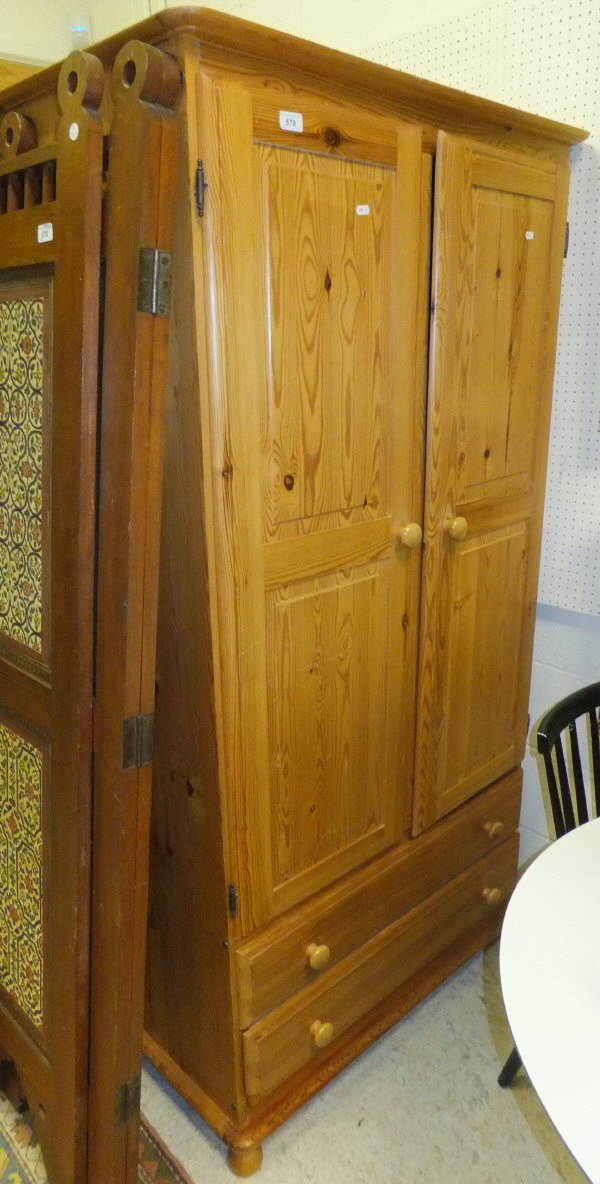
(228, 39)
(297, 575)
(273, 965)
(189, 922)
(13, 72)
(283, 1041)
(341, 613)
(251, 1128)
(495, 249)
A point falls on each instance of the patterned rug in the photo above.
(21, 1160)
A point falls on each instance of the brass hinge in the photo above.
(233, 900)
(201, 185)
(566, 241)
(155, 269)
(138, 741)
(127, 1100)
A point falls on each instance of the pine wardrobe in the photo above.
(343, 282)
(366, 283)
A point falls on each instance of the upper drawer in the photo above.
(277, 962)
(293, 1035)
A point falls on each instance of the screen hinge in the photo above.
(201, 185)
(127, 1100)
(566, 241)
(138, 741)
(233, 900)
(155, 269)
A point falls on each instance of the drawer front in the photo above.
(295, 1034)
(299, 948)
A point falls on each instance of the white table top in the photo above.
(550, 974)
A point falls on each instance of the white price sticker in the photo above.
(291, 121)
(362, 211)
(45, 232)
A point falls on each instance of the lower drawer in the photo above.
(275, 964)
(294, 1034)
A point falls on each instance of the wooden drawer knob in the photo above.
(492, 896)
(456, 528)
(318, 956)
(493, 830)
(410, 535)
(322, 1034)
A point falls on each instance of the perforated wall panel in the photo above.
(543, 56)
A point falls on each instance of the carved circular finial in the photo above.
(147, 73)
(81, 81)
(17, 135)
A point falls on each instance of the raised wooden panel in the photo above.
(497, 442)
(484, 609)
(328, 227)
(499, 231)
(329, 726)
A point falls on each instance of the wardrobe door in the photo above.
(498, 246)
(316, 403)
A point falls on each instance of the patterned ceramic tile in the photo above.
(22, 347)
(21, 963)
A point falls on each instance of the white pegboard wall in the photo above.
(543, 56)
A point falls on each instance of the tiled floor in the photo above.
(421, 1107)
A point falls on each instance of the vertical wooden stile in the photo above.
(146, 85)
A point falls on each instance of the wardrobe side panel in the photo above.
(188, 995)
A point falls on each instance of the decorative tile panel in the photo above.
(22, 459)
(21, 960)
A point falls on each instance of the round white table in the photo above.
(550, 975)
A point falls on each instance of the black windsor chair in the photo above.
(576, 715)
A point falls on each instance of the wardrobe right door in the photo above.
(498, 247)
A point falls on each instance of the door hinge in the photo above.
(127, 1100)
(201, 185)
(138, 741)
(566, 241)
(233, 900)
(155, 269)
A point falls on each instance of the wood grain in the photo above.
(282, 1043)
(273, 964)
(495, 258)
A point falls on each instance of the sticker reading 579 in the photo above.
(45, 232)
(291, 121)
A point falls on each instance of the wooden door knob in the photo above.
(494, 829)
(492, 896)
(456, 528)
(322, 1034)
(410, 535)
(318, 956)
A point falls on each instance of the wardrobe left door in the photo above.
(50, 214)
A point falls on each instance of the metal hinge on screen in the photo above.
(127, 1100)
(138, 741)
(155, 270)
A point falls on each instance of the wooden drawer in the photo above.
(275, 964)
(293, 1035)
